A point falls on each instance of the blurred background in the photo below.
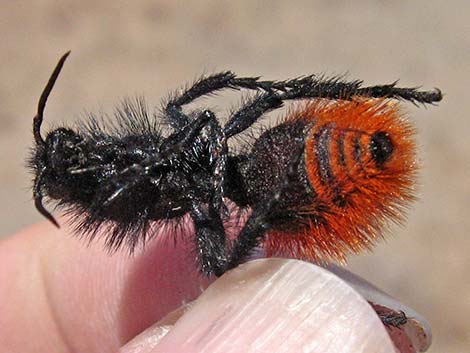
(144, 47)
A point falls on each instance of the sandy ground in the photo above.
(150, 47)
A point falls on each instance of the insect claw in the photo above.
(437, 96)
(394, 319)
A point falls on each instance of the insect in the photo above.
(320, 184)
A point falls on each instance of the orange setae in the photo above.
(356, 192)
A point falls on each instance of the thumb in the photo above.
(272, 305)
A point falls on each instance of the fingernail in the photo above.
(147, 340)
(278, 305)
(413, 336)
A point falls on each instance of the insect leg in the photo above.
(182, 139)
(205, 86)
(335, 88)
(210, 239)
(394, 319)
(254, 230)
(313, 87)
(408, 94)
(262, 217)
(251, 112)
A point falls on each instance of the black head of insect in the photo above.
(58, 155)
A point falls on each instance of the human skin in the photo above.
(58, 294)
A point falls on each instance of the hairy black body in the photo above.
(127, 176)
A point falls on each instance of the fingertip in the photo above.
(278, 305)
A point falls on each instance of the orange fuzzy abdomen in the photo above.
(360, 163)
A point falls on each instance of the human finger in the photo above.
(272, 305)
(58, 294)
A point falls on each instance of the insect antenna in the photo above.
(37, 120)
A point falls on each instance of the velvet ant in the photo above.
(320, 184)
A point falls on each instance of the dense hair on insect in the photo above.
(320, 184)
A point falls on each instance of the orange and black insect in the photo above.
(320, 184)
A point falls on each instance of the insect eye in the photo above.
(381, 147)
